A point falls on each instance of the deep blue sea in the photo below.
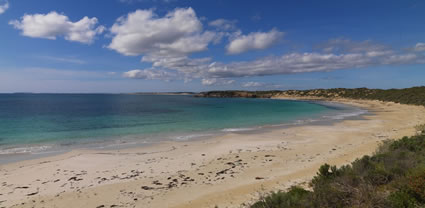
(39, 123)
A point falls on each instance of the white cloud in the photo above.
(4, 7)
(189, 68)
(419, 47)
(309, 62)
(252, 84)
(149, 74)
(223, 24)
(211, 72)
(167, 43)
(52, 25)
(215, 81)
(254, 41)
(144, 33)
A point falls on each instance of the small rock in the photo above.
(32, 194)
(146, 188)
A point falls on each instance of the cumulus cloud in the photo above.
(419, 47)
(144, 33)
(188, 67)
(223, 24)
(53, 24)
(215, 81)
(4, 7)
(150, 74)
(309, 62)
(254, 41)
(168, 41)
(210, 72)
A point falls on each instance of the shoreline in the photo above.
(225, 171)
(22, 152)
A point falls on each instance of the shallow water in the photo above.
(42, 123)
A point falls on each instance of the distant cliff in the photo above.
(414, 95)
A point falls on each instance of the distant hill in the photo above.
(414, 95)
(235, 93)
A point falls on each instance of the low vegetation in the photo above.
(414, 95)
(236, 93)
(393, 177)
(421, 129)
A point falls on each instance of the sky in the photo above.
(119, 46)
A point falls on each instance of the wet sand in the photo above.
(226, 171)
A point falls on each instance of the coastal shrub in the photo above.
(402, 199)
(393, 177)
(296, 197)
(416, 184)
(413, 96)
(378, 176)
(414, 144)
(421, 129)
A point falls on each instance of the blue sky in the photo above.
(187, 45)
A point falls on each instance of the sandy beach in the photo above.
(227, 171)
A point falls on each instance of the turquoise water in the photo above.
(41, 122)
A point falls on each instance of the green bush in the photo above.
(378, 177)
(393, 177)
(296, 197)
(414, 95)
(413, 144)
(416, 184)
(402, 199)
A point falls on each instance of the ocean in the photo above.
(37, 124)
